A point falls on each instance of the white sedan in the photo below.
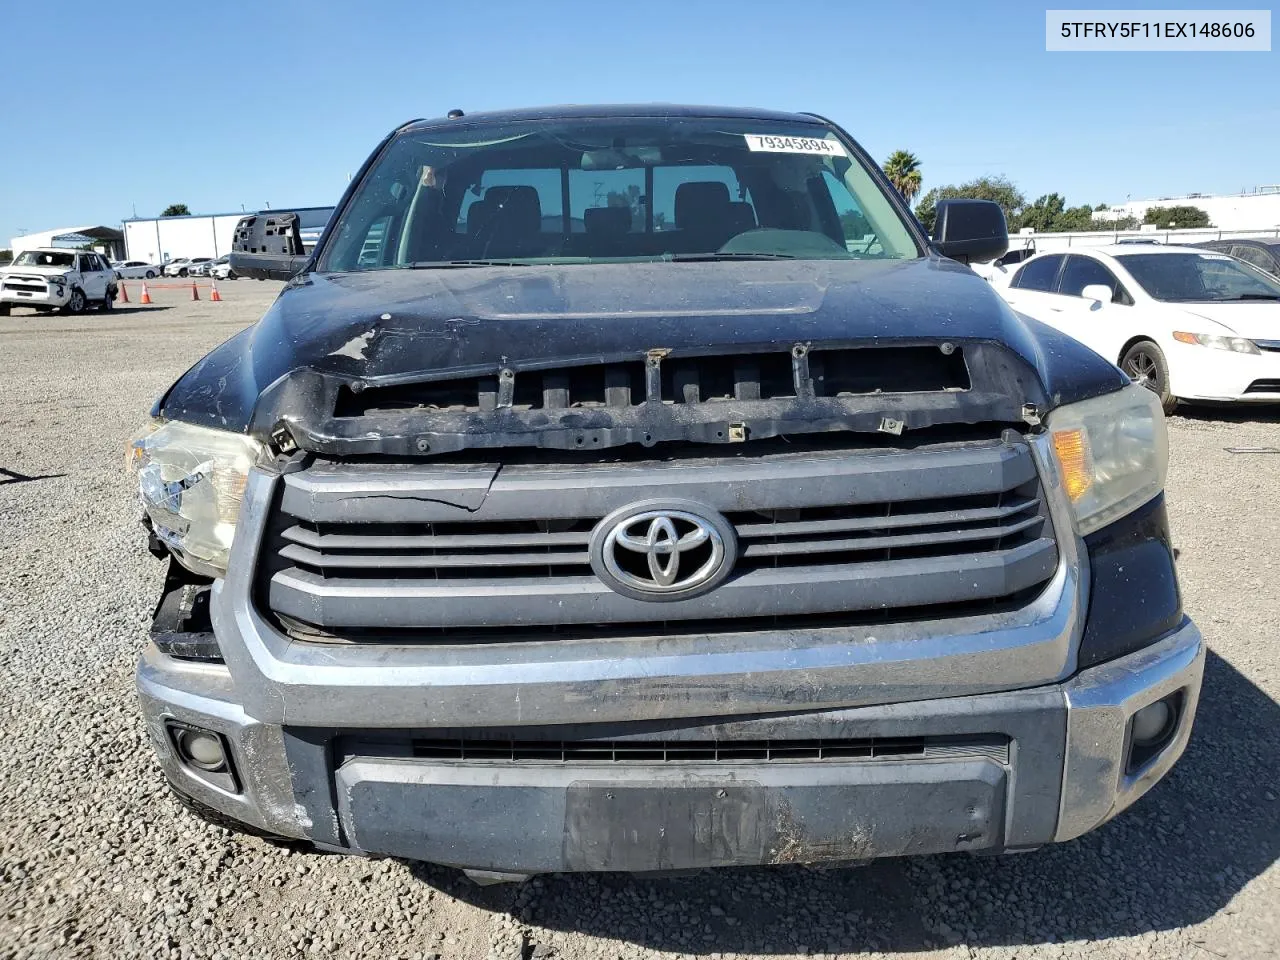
(1189, 324)
(135, 270)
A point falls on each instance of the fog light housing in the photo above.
(1151, 722)
(204, 750)
(204, 754)
(1152, 728)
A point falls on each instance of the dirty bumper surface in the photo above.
(642, 820)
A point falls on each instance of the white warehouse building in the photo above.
(161, 239)
(1259, 210)
(102, 238)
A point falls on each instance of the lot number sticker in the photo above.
(766, 143)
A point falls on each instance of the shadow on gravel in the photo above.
(1229, 413)
(1176, 858)
(11, 476)
(117, 310)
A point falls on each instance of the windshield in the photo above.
(1198, 277)
(44, 258)
(592, 191)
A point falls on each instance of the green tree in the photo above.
(854, 224)
(1166, 217)
(176, 210)
(6, 256)
(1042, 215)
(1110, 221)
(997, 189)
(1050, 214)
(903, 170)
(1075, 219)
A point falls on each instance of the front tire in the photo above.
(77, 302)
(1144, 363)
(150, 274)
(4, 309)
(182, 273)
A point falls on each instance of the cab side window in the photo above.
(1254, 256)
(1038, 274)
(1082, 271)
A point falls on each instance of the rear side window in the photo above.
(544, 184)
(667, 181)
(1255, 256)
(1038, 274)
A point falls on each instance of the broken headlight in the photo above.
(1113, 454)
(191, 481)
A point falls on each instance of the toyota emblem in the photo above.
(663, 550)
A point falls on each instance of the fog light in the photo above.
(1151, 723)
(202, 749)
(1151, 729)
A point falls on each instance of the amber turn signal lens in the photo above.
(1185, 337)
(1073, 457)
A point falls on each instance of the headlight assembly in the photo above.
(191, 481)
(1215, 342)
(1113, 454)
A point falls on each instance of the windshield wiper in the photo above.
(455, 264)
(712, 257)
(1258, 296)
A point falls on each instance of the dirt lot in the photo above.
(96, 860)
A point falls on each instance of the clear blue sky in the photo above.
(130, 105)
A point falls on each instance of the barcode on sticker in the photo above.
(767, 143)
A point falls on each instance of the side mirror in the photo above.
(970, 230)
(268, 247)
(1098, 292)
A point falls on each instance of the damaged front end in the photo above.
(660, 395)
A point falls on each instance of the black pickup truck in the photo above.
(638, 488)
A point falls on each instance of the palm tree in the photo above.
(903, 170)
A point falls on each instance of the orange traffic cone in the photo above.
(146, 297)
(124, 293)
(213, 294)
(195, 294)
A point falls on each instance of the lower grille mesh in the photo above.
(709, 751)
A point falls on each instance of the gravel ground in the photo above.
(96, 860)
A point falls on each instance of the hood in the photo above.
(390, 324)
(37, 271)
(1254, 319)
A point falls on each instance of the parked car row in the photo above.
(135, 270)
(1189, 323)
(219, 269)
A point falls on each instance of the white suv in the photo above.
(52, 279)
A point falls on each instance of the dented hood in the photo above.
(391, 323)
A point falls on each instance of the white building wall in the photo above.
(1042, 242)
(1245, 211)
(166, 238)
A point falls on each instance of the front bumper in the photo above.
(1066, 770)
(34, 296)
(1200, 373)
